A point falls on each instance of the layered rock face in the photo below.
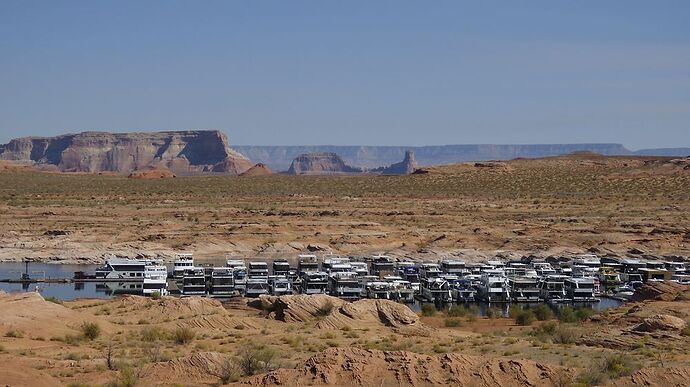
(405, 167)
(320, 164)
(182, 152)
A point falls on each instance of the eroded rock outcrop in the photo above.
(405, 167)
(359, 367)
(320, 164)
(182, 152)
(257, 170)
(334, 313)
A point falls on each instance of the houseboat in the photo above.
(453, 266)
(281, 267)
(315, 283)
(256, 287)
(552, 289)
(222, 282)
(345, 285)
(258, 269)
(239, 273)
(155, 280)
(360, 268)
(382, 265)
(580, 289)
(401, 290)
(280, 286)
(463, 291)
(124, 268)
(183, 261)
(193, 282)
(494, 287)
(524, 289)
(307, 263)
(436, 290)
(378, 290)
(429, 270)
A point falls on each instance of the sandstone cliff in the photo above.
(320, 164)
(182, 152)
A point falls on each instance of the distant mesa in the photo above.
(257, 170)
(325, 163)
(329, 163)
(181, 152)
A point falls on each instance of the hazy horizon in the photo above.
(370, 73)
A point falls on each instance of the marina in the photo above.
(583, 280)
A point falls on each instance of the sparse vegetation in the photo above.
(184, 335)
(90, 330)
(452, 322)
(256, 359)
(428, 310)
(525, 317)
(326, 309)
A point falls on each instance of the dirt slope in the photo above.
(358, 367)
(334, 313)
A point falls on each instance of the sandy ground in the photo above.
(319, 340)
(551, 206)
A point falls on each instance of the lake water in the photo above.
(70, 291)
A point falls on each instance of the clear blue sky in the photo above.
(351, 72)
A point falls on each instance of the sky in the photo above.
(351, 72)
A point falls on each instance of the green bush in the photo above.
(494, 313)
(13, 333)
(570, 315)
(428, 310)
(152, 334)
(542, 312)
(156, 295)
(525, 317)
(183, 335)
(256, 359)
(452, 322)
(457, 311)
(126, 378)
(90, 330)
(326, 309)
(618, 365)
